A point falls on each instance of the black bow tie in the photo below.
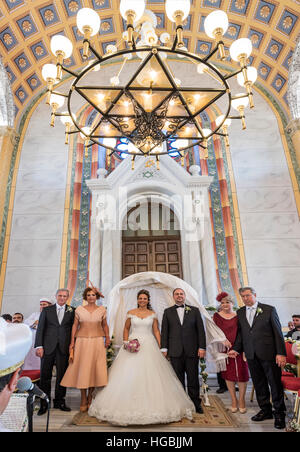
(179, 306)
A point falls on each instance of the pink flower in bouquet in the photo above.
(132, 346)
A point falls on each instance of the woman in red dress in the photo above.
(237, 368)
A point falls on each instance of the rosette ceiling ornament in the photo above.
(150, 89)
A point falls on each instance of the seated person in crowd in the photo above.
(295, 332)
(17, 318)
(7, 318)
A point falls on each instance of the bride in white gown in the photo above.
(142, 387)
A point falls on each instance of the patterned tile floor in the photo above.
(61, 422)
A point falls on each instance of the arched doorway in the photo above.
(151, 240)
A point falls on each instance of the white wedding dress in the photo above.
(142, 387)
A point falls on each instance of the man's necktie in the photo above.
(251, 314)
(179, 306)
(61, 312)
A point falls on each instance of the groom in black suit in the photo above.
(260, 337)
(52, 342)
(183, 341)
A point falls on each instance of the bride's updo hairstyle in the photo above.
(145, 292)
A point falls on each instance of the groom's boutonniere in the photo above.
(187, 309)
(259, 311)
(69, 309)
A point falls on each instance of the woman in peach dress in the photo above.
(87, 367)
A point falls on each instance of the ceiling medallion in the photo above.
(152, 90)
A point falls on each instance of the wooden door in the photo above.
(152, 255)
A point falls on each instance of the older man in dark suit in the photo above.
(52, 342)
(260, 337)
(183, 341)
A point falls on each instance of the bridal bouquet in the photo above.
(132, 346)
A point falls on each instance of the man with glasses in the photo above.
(260, 337)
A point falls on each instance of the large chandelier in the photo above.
(150, 89)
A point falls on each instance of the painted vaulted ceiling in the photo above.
(26, 27)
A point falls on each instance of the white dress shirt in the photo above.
(180, 313)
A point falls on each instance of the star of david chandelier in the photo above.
(150, 89)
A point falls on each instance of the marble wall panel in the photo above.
(267, 253)
(262, 176)
(258, 157)
(42, 202)
(30, 281)
(266, 199)
(33, 161)
(26, 253)
(37, 226)
(270, 225)
(37, 145)
(41, 179)
(278, 282)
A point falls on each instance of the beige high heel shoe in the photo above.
(243, 410)
(233, 410)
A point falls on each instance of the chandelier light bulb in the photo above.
(177, 11)
(220, 119)
(111, 48)
(177, 81)
(141, 55)
(62, 48)
(240, 102)
(177, 7)
(251, 76)
(67, 121)
(240, 105)
(61, 45)
(131, 10)
(49, 73)
(150, 37)
(88, 22)
(216, 23)
(127, 56)
(57, 100)
(246, 78)
(132, 6)
(215, 26)
(66, 118)
(240, 49)
(165, 38)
